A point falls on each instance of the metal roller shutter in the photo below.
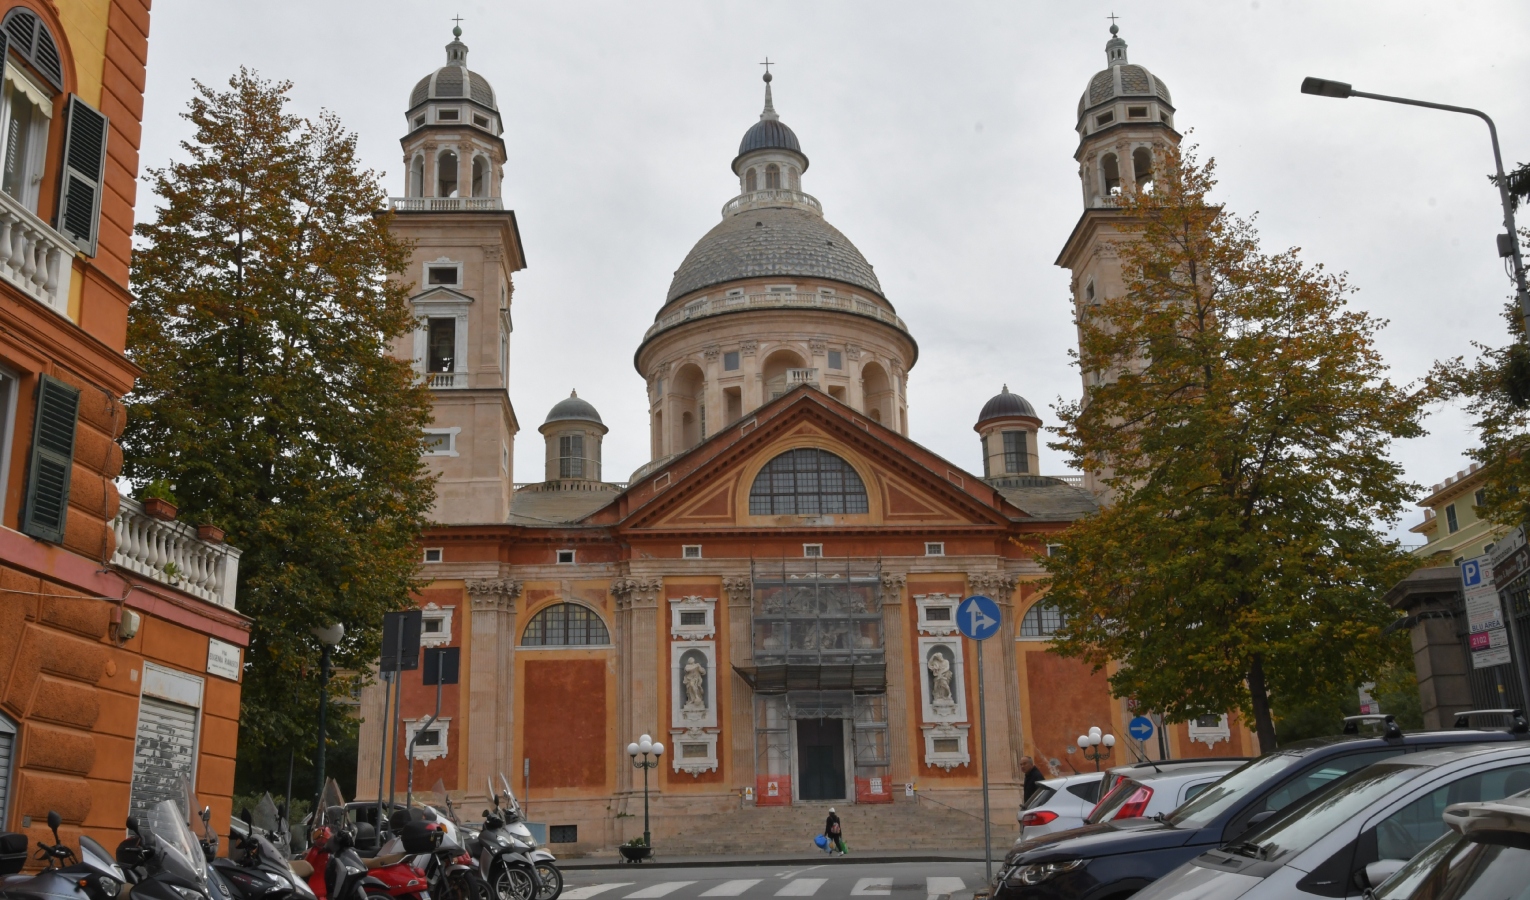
(7, 746)
(164, 754)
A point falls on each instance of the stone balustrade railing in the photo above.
(33, 257)
(772, 197)
(172, 554)
(713, 306)
(445, 204)
(801, 376)
(447, 379)
(1075, 480)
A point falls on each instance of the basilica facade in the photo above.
(773, 594)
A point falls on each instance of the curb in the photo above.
(576, 864)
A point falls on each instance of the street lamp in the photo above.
(328, 638)
(1508, 243)
(645, 747)
(1090, 743)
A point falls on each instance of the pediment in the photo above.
(440, 295)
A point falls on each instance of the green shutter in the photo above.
(79, 201)
(47, 493)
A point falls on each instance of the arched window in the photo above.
(29, 39)
(480, 177)
(772, 177)
(751, 181)
(807, 482)
(1041, 620)
(446, 174)
(565, 625)
(417, 177)
(1142, 167)
(1110, 173)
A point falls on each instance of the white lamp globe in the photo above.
(644, 739)
(658, 749)
(632, 749)
(645, 745)
(1083, 741)
(1110, 740)
(1094, 731)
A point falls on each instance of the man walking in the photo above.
(833, 831)
(1033, 777)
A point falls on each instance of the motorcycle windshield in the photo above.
(201, 828)
(268, 855)
(264, 815)
(95, 856)
(334, 805)
(510, 802)
(182, 855)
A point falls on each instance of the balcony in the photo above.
(172, 554)
(714, 306)
(795, 377)
(773, 197)
(445, 204)
(34, 258)
(447, 380)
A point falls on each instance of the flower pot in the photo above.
(210, 533)
(635, 854)
(160, 509)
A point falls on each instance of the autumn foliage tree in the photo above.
(1241, 416)
(263, 323)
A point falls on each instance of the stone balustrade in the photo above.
(772, 197)
(33, 257)
(445, 204)
(713, 306)
(447, 380)
(172, 554)
(801, 376)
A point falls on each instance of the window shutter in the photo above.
(79, 201)
(47, 490)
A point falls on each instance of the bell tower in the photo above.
(1125, 127)
(467, 249)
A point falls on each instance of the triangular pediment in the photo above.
(440, 295)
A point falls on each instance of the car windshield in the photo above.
(1307, 821)
(1457, 868)
(1205, 807)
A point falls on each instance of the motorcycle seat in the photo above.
(382, 862)
(300, 868)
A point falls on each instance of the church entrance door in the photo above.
(821, 759)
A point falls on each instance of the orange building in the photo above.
(120, 647)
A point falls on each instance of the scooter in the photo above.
(255, 869)
(344, 870)
(162, 859)
(515, 867)
(94, 877)
(397, 873)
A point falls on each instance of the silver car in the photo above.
(1486, 854)
(1059, 804)
(1348, 837)
(1147, 792)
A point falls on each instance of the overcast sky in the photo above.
(941, 139)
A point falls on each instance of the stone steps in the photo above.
(772, 829)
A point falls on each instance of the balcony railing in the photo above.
(713, 306)
(773, 197)
(33, 257)
(172, 554)
(801, 376)
(1075, 480)
(445, 204)
(445, 380)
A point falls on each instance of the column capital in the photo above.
(893, 584)
(493, 593)
(740, 589)
(634, 592)
(997, 583)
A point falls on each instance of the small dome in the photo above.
(770, 133)
(1121, 79)
(573, 409)
(453, 81)
(1004, 404)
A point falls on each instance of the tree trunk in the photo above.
(1264, 726)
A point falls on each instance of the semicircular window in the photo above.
(1041, 620)
(807, 482)
(565, 625)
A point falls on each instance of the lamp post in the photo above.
(328, 638)
(1508, 243)
(650, 750)
(1090, 744)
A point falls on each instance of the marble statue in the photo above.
(941, 677)
(692, 681)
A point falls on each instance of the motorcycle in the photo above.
(162, 859)
(398, 872)
(512, 863)
(449, 869)
(344, 870)
(254, 868)
(95, 876)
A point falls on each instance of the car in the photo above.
(1116, 859)
(1059, 804)
(1345, 839)
(1150, 792)
(1486, 853)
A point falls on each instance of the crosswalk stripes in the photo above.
(801, 887)
(731, 888)
(658, 890)
(872, 887)
(935, 886)
(588, 891)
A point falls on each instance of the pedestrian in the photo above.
(834, 832)
(1033, 776)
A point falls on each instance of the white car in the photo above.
(1147, 792)
(1059, 804)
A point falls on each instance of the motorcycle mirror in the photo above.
(53, 822)
(244, 815)
(132, 824)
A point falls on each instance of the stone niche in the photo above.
(693, 706)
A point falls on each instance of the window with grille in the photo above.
(1042, 620)
(807, 482)
(1015, 452)
(563, 834)
(565, 625)
(571, 456)
(690, 551)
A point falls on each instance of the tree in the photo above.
(1241, 416)
(269, 399)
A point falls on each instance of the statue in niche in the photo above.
(694, 683)
(941, 677)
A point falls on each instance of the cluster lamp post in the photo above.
(650, 750)
(1090, 744)
(328, 638)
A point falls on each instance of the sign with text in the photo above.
(1483, 611)
(223, 659)
(1490, 648)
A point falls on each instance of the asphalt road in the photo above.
(872, 878)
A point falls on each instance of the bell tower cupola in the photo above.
(1125, 122)
(453, 146)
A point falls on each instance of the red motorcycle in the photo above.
(387, 876)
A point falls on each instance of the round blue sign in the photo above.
(978, 618)
(1140, 728)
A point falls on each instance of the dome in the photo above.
(1121, 79)
(1004, 404)
(770, 133)
(453, 81)
(573, 409)
(773, 241)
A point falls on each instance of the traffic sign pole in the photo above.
(978, 618)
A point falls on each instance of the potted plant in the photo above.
(635, 850)
(158, 500)
(210, 533)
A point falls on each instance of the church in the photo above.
(772, 596)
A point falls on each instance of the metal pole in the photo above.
(983, 748)
(323, 710)
(382, 752)
(1516, 650)
(409, 781)
(287, 804)
(398, 723)
(647, 841)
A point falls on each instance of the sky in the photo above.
(941, 138)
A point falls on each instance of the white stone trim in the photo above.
(681, 717)
(942, 711)
(425, 754)
(942, 627)
(1210, 735)
(443, 614)
(693, 603)
(946, 759)
(695, 765)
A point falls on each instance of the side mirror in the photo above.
(1261, 817)
(1381, 870)
(53, 822)
(132, 824)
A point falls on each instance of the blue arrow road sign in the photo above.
(1140, 728)
(978, 617)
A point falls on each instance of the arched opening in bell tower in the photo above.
(480, 176)
(417, 177)
(1110, 174)
(446, 174)
(1142, 168)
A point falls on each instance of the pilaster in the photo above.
(740, 589)
(1002, 679)
(638, 677)
(895, 651)
(491, 679)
